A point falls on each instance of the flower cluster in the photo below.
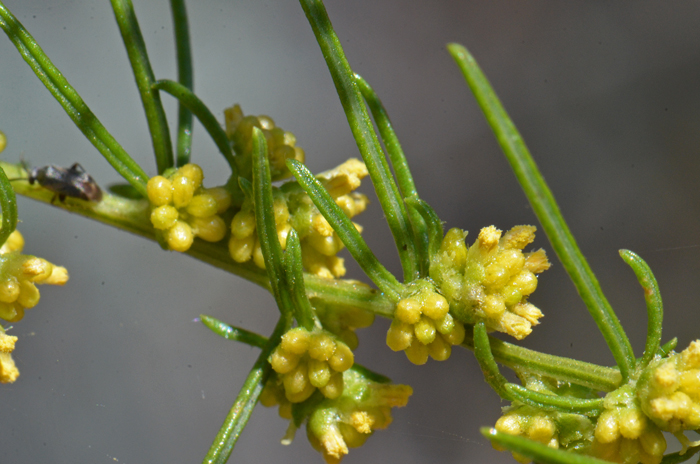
(491, 280)
(281, 144)
(183, 209)
(309, 360)
(19, 275)
(423, 326)
(293, 208)
(669, 390)
(558, 430)
(336, 424)
(624, 434)
(8, 369)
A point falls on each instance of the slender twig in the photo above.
(230, 332)
(565, 404)
(141, 66)
(347, 232)
(303, 311)
(8, 203)
(547, 211)
(191, 102)
(482, 351)
(71, 102)
(365, 137)
(185, 76)
(652, 296)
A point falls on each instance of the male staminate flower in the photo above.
(491, 280)
(19, 275)
(423, 326)
(336, 424)
(8, 369)
(293, 208)
(281, 144)
(183, 209)
(308, 360)
(624, 434)
(669, 390)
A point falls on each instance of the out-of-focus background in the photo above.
(606, 95)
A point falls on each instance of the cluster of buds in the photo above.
(293, 208)
(491, 280)
(423, 326)
(8, 369)
(281, 144)
(623, 432)
(183, 209)
(528, 422)
(336, 424)
(308, 360)
(342, 322)
(19, 275)
(669, 390)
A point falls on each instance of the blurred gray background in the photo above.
(605, 93)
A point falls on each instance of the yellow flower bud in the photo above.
(211, 229)
(607, 428)
(334, 388)
(241, 250)
(202, 205)
(408, 310)
(9, 290)
(15, 242)
(342, 358)
(159, 190)
(222, 197)
(164, 217)
(435, 306)
(243, 224)
(193, 173)
(425, 330)
(319, 373)
(440, 349)
(28, 294)
(321, 347)
(283, 361)
(180, 236)
(296, 340)
(399, 336)
(417, 353)
(183, 191)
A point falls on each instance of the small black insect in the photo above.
(73, 182)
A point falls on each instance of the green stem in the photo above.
(248, 396)
(303, 311)
(433, 223)
(565, 404)
(71, 102)
(191, 102)
(185, 76)
(400, 166)
(538, 452)
(141, 66)
(365, 137)
(347, 232)
(8, 203)
(565, 369)
(229, 332)
(482, 351)
(547, 211)
(652, 296)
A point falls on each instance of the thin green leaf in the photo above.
(547, 211)
(304, 313)
(400, 165)
(265, 224)
(8, 203)
(482, 351)
(347, 232)
(565, 404)
(667, 347)
(365, 137)
(242, 408)
(560, 368)
(185, 76)
(141, 66)
(229, 332)
(191, 102)
(538, 452)
(652, 296)
(71, 102)
(677, 457)
(432, 221)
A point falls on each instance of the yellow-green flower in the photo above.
(19, 275)
(183, 209)
(8, 369)
(491, 280)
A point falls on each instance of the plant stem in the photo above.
(71, 102)
(8, 203)
(365, 137)
(141, 66)
(185, 76)
(547, 211)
